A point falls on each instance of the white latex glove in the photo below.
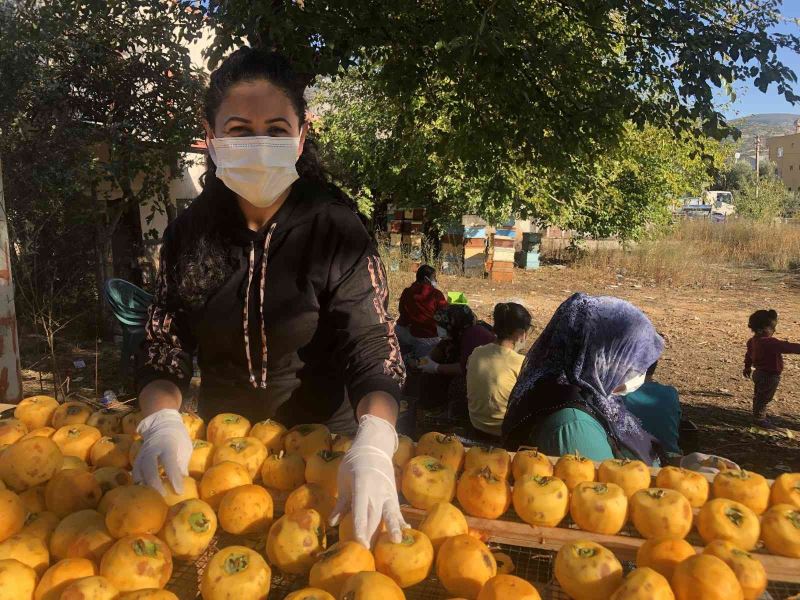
(165, 439)
(366, 482)
(429, 366)
(707, 463)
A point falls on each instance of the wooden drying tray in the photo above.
(778, 568)
(653, 470)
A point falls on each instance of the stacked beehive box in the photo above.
(474, 250)
(405, 237)
(528, 256)
(452, 251)
(503, 252)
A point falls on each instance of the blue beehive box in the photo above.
(475, 232)
(508, 234)
(527, 260)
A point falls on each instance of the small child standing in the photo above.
(764, 361)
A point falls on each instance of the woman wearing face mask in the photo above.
(492, 370)
(444, 372)
(569, 396)
(416, 326)
(270, 278)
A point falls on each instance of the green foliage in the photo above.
(637, 184)
(370, 143)
(98, 102)
(734, 176)
(504, 84)
(765, 201)
(762, 200)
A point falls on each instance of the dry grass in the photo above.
(696, 253)
(775, 246)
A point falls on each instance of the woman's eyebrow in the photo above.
(276, 120)
(235, 118)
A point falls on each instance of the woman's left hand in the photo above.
(367, 484)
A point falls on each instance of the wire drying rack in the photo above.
(534, 565)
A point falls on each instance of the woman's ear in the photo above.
(303, 135)
(209, 130)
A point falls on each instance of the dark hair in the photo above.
(509, 318)
(255, 64)
(455, 318)
(651, 370)
(425, 272)
(205, 263)
(763, 320)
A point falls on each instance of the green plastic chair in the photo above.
(130, 305)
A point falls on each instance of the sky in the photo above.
(749, 99)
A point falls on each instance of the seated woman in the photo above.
(446, 367)
(569, 397)
(658, 408)
(492, 370)
(416, 327)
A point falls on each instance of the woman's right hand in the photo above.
(166, 441)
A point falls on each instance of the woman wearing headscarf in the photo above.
(446, 367)
(569, 396)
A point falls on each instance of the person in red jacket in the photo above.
(416, 327)
(763, 361)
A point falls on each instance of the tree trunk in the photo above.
(171, 210)
(103, 265)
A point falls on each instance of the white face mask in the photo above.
(441, 332)
(632, 385)
(258, 168)
(433, 282)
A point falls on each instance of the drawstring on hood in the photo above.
(262, 286)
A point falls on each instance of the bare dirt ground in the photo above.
(705, 330)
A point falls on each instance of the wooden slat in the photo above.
(778, 568)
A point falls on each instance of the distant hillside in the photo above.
(765, 125)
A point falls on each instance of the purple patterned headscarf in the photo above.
(595, 343)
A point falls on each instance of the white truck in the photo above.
(721, 204)
(714, 204)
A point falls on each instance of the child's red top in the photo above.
(765, 353)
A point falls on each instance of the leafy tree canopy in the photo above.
(381, 154)
(98, 103)
(549, 79)
(492, 105)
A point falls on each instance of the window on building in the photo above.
(780, 151)
(791, 167)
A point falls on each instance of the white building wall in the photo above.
(187, 186)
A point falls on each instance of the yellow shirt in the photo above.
(492, 371)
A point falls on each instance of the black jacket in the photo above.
(324, 311)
